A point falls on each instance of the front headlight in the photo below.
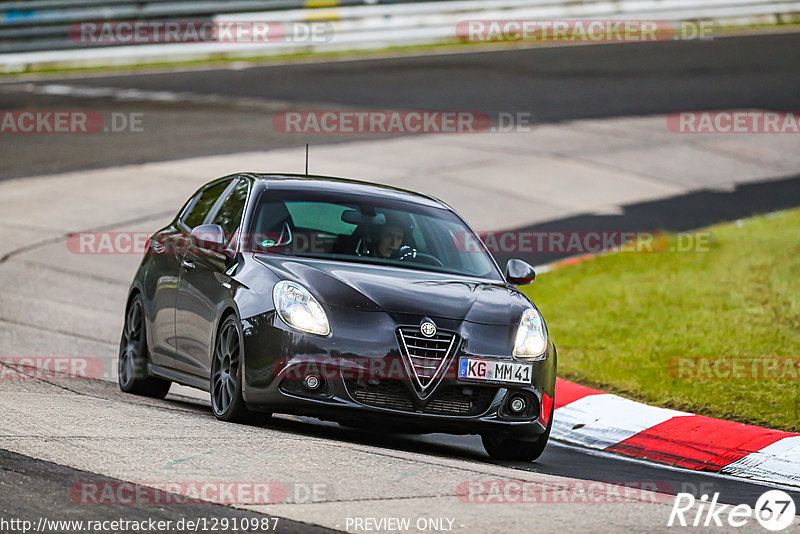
(299, 309)
(531, 340)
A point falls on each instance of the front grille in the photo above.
(460, 400)
(448, 400)
(383, 394)
(425, 354)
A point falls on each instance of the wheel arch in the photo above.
(226, 312)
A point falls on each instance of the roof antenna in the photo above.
(306, 159)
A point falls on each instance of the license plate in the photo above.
(495, 371)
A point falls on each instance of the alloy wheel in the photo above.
(131, 344)
(225, 371)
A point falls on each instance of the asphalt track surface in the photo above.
(556, 84)
(553, 84)
(33, 488)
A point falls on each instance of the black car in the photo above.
(341, 300)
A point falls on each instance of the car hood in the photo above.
(398, 290)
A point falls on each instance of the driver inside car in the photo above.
(390, 240)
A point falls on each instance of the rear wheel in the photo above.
(505, 448)
(133, 357)
(227, 369)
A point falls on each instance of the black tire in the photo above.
(227, 369)
(505, 448)
(133, 356)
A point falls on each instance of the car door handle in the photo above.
(187, 265)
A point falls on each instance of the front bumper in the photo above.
(361, 383)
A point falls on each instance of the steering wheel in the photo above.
(407, 253)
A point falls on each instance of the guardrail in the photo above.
(45, 24)
(38, 32)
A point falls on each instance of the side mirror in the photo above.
(209, 236)
(519, 273)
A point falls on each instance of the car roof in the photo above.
(330, 184)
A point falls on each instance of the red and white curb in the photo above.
(596, 420)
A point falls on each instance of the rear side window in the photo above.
(198, 210)
(230, 212)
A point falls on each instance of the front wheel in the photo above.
(227, 369)
(132, 362)
(504, 448)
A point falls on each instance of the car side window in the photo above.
(230, 211)
(198, 210)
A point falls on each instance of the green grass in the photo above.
(620, 319)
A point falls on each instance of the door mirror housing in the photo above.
(209, 236)
(519, 273)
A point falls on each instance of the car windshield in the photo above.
(367, 230)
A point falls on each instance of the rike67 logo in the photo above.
(774, 510)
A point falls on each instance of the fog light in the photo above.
(312, 382)
(517, 404)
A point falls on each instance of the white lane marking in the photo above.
(779, 463)
(131, 94)
(113, 92)
(598, 421)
